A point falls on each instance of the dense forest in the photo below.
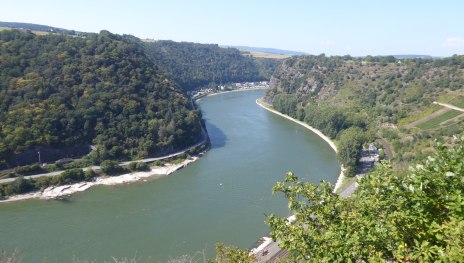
(356, 100)
(59, 91)
(193, 65)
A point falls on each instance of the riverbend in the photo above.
(222, 197)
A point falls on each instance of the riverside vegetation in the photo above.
(356, 100)
(194, 65)
(393, 215)
(62, 93)
(396, 217)
(412, 217)
(59, 91)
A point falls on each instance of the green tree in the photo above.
(18, 186)
(225, 254)
(60, 92)
(141, 166)
(70, 176)
(350, 147)
(132, 166)
(110, 167)
(416, 217)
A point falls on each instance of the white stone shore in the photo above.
(316, 131)
(65, 190)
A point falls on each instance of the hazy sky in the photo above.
(332, 27)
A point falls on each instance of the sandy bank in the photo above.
(314, 130)
(65, 190)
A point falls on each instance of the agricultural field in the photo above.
(39, 33)
(458, 102)
(257, 54)
(435, 122)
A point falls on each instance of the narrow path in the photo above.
(449, 106)
(147, 160)
(427, 118)
(386, 147)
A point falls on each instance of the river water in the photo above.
(223, 197)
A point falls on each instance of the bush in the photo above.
(9, 175)
(157, 163)
(44, 181)
(89, 174)
(141, 166)
(70, 176)
(110, 167)
(192, 150)
(28, 169)
(132, 166)
(415, 216)
(18, 186)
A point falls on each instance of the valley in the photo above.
(330, 157)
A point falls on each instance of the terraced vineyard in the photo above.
(439, 120)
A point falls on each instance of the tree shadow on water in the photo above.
(217, 137)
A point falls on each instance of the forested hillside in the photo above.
(355, 100)
(194, 65)
(59, 91)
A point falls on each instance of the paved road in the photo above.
(349, 190)
(449, 106)
(147, 160)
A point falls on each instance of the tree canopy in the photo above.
(383, 96)
(194, 65)
(98, 89)
(416, 217)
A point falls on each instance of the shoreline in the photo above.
(314, 130)
(53, 192)
(230, 91)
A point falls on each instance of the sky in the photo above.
(354, 27)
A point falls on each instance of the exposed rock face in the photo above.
(383, 80)
(304, 76)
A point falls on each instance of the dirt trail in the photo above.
(425, 119)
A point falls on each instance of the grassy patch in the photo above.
(433, 123)
(268, 55)
(458, 102)
(433, 108)
(39, 33)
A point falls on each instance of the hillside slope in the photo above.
(380, 95)
(194, 65)
(62, 92)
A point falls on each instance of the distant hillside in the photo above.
(194, 65)
(412, 56)
(59, 92)
(35, 27)
(191, 65)
(382, 96)
(269, 50)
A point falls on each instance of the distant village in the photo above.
(229, 87)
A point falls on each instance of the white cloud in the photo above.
(454, 42)
(326, 43)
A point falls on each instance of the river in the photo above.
(223, 197)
